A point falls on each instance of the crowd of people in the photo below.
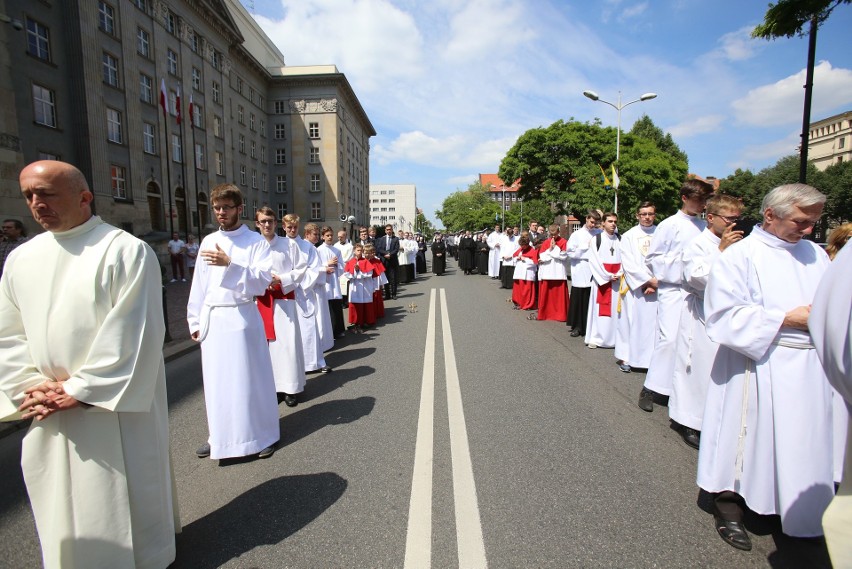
(747, 336)
(719, 323)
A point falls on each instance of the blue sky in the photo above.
(449, 85)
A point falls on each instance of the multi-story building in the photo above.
(499, 191)
(395, 204)
(88, 78)
(830, 140)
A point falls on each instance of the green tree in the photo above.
(468, 209)
(423, 225)
(645, 128)
(836, 183)
(561, 164)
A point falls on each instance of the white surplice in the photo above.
(285, 351)
(85, 306)
(578, 253)
(344, 253)
(493, 241)
(332, 280)
(600, 330)
(508, 246)
(239, 392)
(830, 323)
(695, 352)
(314, 317)
(767, 432)
(637, 319)
(664, 261)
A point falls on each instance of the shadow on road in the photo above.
(322, 384)
(311, 419)
(265, 515)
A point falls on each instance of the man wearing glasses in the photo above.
(239, 390)
(695, 352)
(770, 428)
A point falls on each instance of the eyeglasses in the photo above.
(727, 218)
(224, 208)
(266, 221)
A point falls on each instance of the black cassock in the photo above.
(439, 263)
(482, 250)
(467, 250)
(421, 257)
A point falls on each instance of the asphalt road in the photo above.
(532, 454)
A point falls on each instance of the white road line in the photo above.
(418, 541)
(471, 546)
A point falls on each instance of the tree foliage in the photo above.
(787, 17)
(561, 164)
(468, 209)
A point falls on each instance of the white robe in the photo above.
(285, 351)
(695, 352)
(344, 253)
(508, 246)
(314, 317)
(600, 330)
(411, 250)
(85, 306)
(553, 263)
(664, 261)
(239, 390)
(493, 241)
(767, 430)
(578, 253)
(634, 339)
(332, 280)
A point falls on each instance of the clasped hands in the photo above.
(44, 399)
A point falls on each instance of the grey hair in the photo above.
(782, 199)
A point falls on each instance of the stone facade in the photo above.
(830, 140)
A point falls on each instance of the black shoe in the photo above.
(325, 369)
(733, 533)
(203, 451)
(268, 451)
(646, 400)
(690, 436)
(290, 400)
(575, 333)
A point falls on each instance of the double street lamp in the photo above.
(618, 106)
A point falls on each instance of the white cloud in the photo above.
(696, 126)
(421, 148)
(465, 180)
(739, 45)
(759, 154)
(781, 103)
(486, 29)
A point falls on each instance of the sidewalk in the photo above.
(178, 341)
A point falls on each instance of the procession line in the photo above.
(418, 541)
(471, 546)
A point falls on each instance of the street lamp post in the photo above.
(594, 96)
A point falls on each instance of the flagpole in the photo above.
(183, 161)
(164, 103)
(195, 166)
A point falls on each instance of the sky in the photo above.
(449, 85)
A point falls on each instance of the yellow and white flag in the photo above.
(615, 179)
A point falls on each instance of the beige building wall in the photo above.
(395, 204)
(830, 141)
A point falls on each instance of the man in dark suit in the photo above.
(363, 239)
(387, 248)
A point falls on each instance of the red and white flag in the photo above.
(163, 97)
(177, 104)
(191, 118)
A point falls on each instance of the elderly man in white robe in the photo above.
(311, 304)
(664, 261)
(605, 265)
(637, 295)
(767, 436)
(493, 241)
(830, 324)
(277, 307)
(695, 352)
(81, 332)
(235, 267)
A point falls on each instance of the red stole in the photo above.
(604, 298)
(560, 243)
(266, 304)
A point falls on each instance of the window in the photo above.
(44, 103)
(280, 156)
(262, 154)
(216, 60)
(263, 186)
(196, 79)
(141, 4)
(110, 65)
(841, 142)
(171, 22)
(239, 85)
(220, 163)
(172, 103)
(149, 138)
(262, 128)
(281, 184)
(38, 40)
(316, 210)
(217, 126)
(118, 176)
(47, 156)
(193, 42)
(172, 62)
(240, 117)
(242, 144)
(251, 121)
(254, 178)
(282, 210)
(243, 175)
(177, 150)
(197, 115)
(143, 42)
(217, 92)
(106, 18)
(314, 158)
(315, 183)
(251, 94)
(313, 130)
(253, 152)
(280, 107)
(114, 125)
(279, 131)
(199, 156)
(146, 88)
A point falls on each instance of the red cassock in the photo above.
(523, 291)
(552, 293)
(361, 313)
(378, 298)
(604, 298)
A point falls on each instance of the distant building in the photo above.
(84, 82)
(395, 204)
(499, 191)
(830, 140)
